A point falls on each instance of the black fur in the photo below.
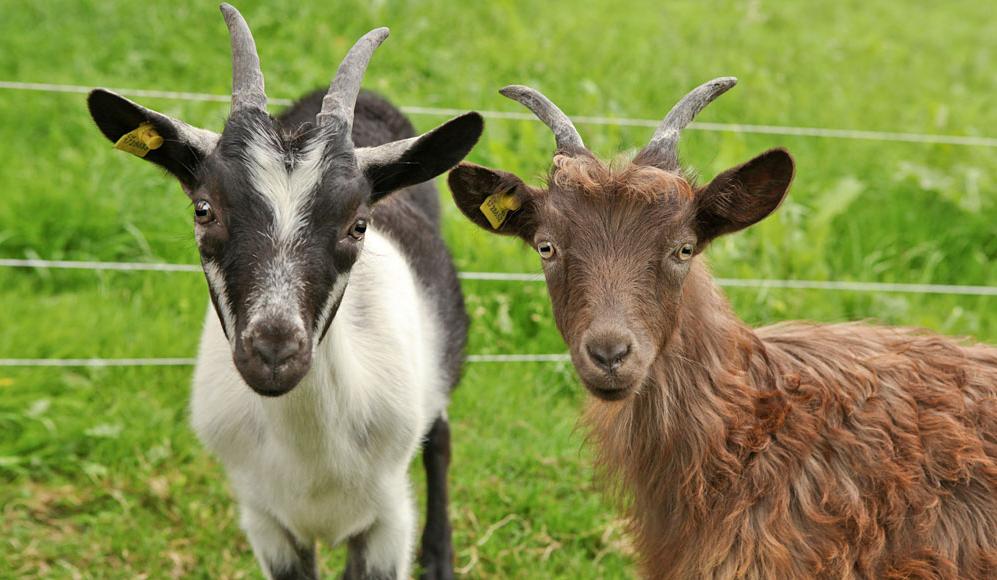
(356, 563)
(376, 121)
(436, 554)
(304, 568)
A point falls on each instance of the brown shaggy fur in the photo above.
(592, 177)
(792, 451)
(800, 451)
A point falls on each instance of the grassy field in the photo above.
(100, 475)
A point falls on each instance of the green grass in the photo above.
(101, 477)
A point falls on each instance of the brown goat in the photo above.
(791, 451)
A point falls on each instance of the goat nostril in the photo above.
(608, 356)
(275, 352)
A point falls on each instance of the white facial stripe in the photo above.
(277, 295)
(287, 191)
(218, 286)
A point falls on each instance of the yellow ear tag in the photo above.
(497, 206)
(140, 141)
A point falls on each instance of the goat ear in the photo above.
(392, 166)
(472, 184)
(743, 195)
(183, 147)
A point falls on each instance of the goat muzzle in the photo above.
(273, 357)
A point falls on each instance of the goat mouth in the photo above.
(614, 386)
(272, 382)
(275, 389)
(610, 394)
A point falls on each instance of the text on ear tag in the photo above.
(497, 206)
(140, 140)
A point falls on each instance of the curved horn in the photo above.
(565, 134)
(247, 78)
(341, 99)
(664, 144)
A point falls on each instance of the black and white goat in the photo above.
(337, 303)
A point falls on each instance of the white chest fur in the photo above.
(323, 458)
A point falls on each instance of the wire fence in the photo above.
(840, 285)
(819, 132)
(487, 276)
(820, 285)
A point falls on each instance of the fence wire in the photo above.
(818, 132)
(840, 285)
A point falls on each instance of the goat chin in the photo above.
(609, 387)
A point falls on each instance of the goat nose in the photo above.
(608, 353)
(274, 350)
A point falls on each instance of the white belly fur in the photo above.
(321, 458)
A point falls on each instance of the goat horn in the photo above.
(247, 77)
(565, 134)
(664, 144)
(341, 99)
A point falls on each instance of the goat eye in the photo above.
(546, 250)
(203, 214)
(359, 229)
(686, 252)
